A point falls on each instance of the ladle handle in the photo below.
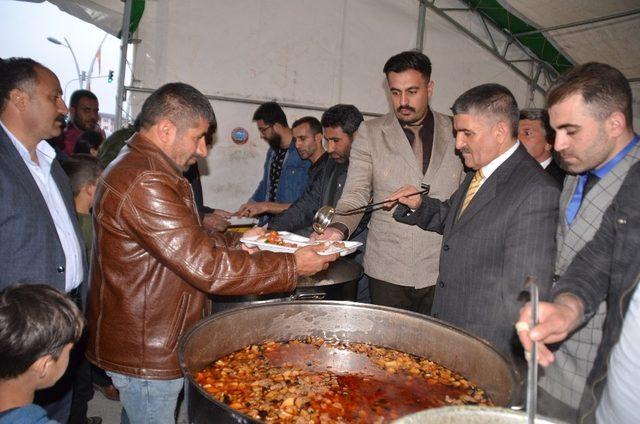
(532, 374)
(425, 189)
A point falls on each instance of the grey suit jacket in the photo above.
(30, 249)
(505, 234)
(565, 378)
(381, 161)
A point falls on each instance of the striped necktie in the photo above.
(471, 191)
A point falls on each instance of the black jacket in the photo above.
(607, 267)
(324, 189)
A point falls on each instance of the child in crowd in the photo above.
(89, 142)
(83, 171)
(38, 327)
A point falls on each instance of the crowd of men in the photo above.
(547, 193)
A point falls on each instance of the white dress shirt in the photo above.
(621, 397)
(490, 168)
(60, 215)
(546, 163)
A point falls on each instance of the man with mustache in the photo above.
(498, 227)
(590, 108)
(285, 172)
(40, 239)
(83, 112)
(153, 264)
(411, 145)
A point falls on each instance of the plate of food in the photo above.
(284, 241)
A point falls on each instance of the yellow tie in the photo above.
(473, 188)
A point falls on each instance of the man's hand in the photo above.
(330, 234)
(222, 213)
(400, 196)
(254, 232)
(308, 261)
(259, 208)
(555, 321)
(215, 222)
(251, 209)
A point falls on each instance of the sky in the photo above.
(24, 31)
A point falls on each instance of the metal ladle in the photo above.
(532, 374)
(324, 216)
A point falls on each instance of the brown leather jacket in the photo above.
(153, 264)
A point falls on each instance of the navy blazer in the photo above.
(30, 249)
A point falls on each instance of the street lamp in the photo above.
(67, 45)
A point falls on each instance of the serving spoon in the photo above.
(324, 216)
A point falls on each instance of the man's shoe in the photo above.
(93, 420)
(110, 392)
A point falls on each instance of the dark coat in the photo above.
(505, 234)
(30, 249)
(608, 267)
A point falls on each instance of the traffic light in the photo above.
(110, 77)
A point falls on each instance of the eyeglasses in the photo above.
(264, 129)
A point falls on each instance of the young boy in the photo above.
(38, 327)
(83, 171)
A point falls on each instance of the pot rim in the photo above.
(514, 374)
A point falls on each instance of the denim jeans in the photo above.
(147, 401)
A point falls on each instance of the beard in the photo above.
(274, 142)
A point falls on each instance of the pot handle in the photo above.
(307, 296)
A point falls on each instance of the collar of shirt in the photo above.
(490, 168)
(546, 163)
(608, 166)
(46, 154)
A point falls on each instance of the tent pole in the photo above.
(124, 34)
(422, 11)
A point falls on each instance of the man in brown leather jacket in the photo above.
(153, 263)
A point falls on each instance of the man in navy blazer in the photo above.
(40, 239)
(498, 227)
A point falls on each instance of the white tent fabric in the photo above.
(615, 41)
(323, 53)
(105, 14)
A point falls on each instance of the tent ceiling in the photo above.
(613, 41)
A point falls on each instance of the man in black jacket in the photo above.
(339, 124)
(608, 267)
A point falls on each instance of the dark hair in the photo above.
(409, 60)
(489, 99)
(535, 114)
(271, 113)
(80, 94)
(81, 168)
(347, 117)
(35, 321)
(16, 72)
(604, 88)
(88, 140)
(180, 103)
(314, 124)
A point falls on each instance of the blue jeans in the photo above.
(147, 401)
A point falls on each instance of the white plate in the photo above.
(237, 221)
(256, 241)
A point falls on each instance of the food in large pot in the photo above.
(305, 380)
(347, 324)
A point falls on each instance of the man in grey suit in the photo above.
(40, 240)
(499, 225)
(411, 145)
(590, 107)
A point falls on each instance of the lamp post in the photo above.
(67, 45)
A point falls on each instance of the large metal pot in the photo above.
(417, 334)
(471, 415)
(338, 282)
